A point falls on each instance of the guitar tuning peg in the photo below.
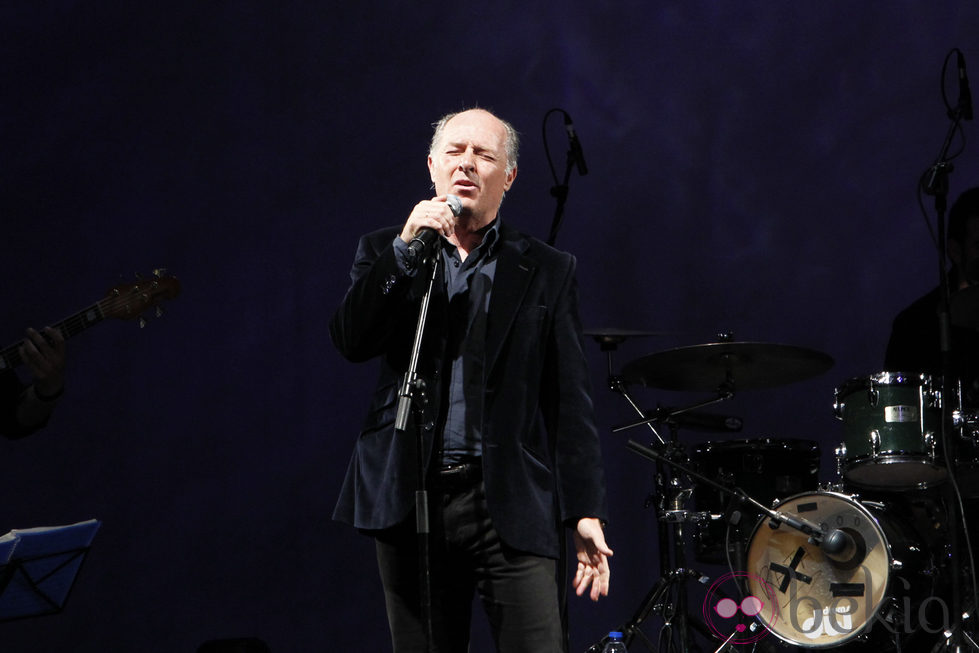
(141, 321)
(159, 272)
(159, 311)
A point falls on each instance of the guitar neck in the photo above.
(70, 326)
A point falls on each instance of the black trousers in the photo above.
(518, 591)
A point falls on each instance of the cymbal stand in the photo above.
(668, 596)
(609, 345)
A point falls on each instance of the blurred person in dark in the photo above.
(914, 344)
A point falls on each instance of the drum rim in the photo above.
(806, 445)
(849, 498)
(895, 378)
(867, 462)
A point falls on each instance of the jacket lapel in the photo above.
(514, 272)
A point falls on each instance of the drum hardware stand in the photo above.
(671, 567)
(734, 518)
(935, 183)
(657, 599)
(672, 493)
(960, 424)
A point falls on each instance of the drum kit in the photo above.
(872, 559)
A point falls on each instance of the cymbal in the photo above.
(614, 332)
(610, 336)
(726, 366)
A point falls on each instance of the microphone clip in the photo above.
(422, 251)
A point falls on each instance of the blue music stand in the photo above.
(38, 567)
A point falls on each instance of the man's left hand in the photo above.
(44, 354)
(593, 554)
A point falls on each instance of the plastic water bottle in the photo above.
(614, 643)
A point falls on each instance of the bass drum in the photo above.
(818, 601)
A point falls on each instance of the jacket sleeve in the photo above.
(379, 299)
(569, 413)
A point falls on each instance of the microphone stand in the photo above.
(560, 191)
(936, 185)
(412, 399)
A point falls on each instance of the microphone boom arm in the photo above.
(810, 529)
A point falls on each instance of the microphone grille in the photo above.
(455, 204)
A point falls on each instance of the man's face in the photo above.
(965, 255)
(470, 161)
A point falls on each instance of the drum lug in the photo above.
(958, 418)
(831, 486)
(873, 395)
(840, 457)
(875, 443)
(930, 444)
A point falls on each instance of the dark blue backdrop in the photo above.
(753, 169)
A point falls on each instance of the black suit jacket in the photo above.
(541, 453)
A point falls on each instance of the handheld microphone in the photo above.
(575, 144)
(426, 237)
(965, 95)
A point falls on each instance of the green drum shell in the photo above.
(891, 422)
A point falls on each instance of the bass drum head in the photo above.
(821, 602)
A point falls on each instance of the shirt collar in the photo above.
(491, 238)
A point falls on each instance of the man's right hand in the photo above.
(433, 214)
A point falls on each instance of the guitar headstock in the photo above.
(128, 301)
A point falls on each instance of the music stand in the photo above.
(39, 566)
